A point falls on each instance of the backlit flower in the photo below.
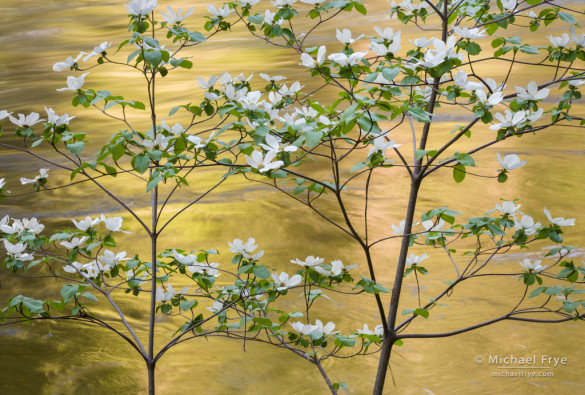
(526, 224)
(263, 163)
(175, 18)
(67, 64)
(560, 221)
(74, 83)
(283, 281)
(510, 162)
(534, 266)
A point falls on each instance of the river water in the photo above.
(69, 358)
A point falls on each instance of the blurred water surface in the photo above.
(69, 358)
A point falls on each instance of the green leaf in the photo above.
(537, 292)
(459, 172)
(151, 42)
(357, 166)
(261, 272)
(422, 312)
(529, 49)
(565, 16)
(153, 57)
(76, 148)
(312, 139)
(390, 73)
(89, 296)
(187, 305)
(140, 163)
(256, 19)
(419, 114)
(464, 159)
(197, 37)
(69, 291)
(153, 183)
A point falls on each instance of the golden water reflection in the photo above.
(72, 358)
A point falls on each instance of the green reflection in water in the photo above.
(71, 358)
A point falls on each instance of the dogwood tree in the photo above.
(382, 121)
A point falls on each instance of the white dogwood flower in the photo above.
(67, 64)
(74, 83)
(263, 163)
(534, 266)
(560, 221)
(309, 261)
(510, 162)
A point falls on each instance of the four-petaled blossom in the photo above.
(238, 247)
(217, 307)
(43, 173)
(26, 121)
(67, 64)
(309, 261)
(493, 100)
(4, 114)
(510, 119)
(263, 164)
(534, 266)
(526, 224)
(184, 259)
(381, 145)
(399, 229)
(98, 50)
(422, 42)
(74, 83)
(432, 226)
(308, 61)
(113, 224)
(387, 33)
(17, 251)
(175, 18)
(560, 221)
(140, 7)
(532, 92)
(74, 243)
(86, 223)
(337, 268)
(579, 40)
(324, 329)
(207, 84)
(275, 78)
(509, 5)
(162, 296)
(508, 207)
(510, 162)
(175, 130)
(378, 330)
(220, 12)
(344, 60)
(274, 143)
(57, 120)
(413, 259)
(283, 281)
(560, 42)
(469, 34)
(345, 36)
(111, 259)
(205, 269)
(305, 329)
(383, 50)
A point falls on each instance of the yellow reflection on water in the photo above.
(71, 358)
